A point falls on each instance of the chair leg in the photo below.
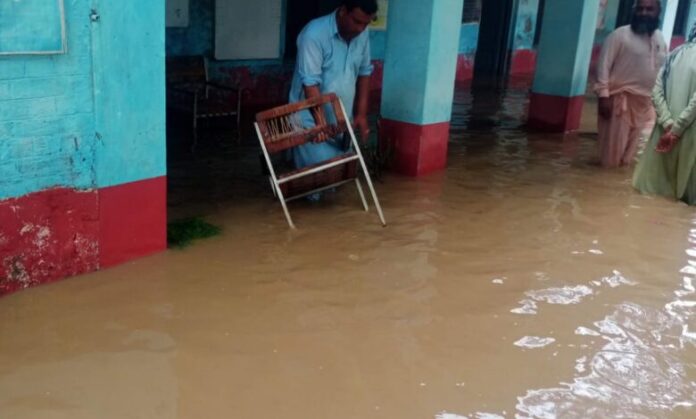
(367, 176)
(273, 177)
(239, 117)
(195, 133)
(356, 147)
(238, 138)
(195, 122)
(275, 194)
(362, 194)
(285, 208)
(374, 194)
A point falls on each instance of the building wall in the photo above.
(691, 20)
(47, 116)
(197, 38)
(48, 201)
(56, 169)
(524, 55)
(268, 80)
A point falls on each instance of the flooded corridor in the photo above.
(523, 281)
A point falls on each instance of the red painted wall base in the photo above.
(53, 234)
(523, 62)
(132, 220)
(417, 149)
(555, 113)
(47, 235)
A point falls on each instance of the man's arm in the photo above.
(309, 61)
(312, 91)
(604, 66)
(664, 115)
(362, 95)
(362, 102)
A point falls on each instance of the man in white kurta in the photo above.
(630, 60)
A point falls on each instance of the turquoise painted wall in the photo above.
(525, 24)
(197, 38)
(468, 39)
(606, 19)
(130, 104)
(420, 70)
(62, 124)
(47, 135)
(30, 26)
(566, 47)
(378, 41)
(691, 20)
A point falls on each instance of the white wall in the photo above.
(248, 29)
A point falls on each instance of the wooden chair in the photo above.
(189, 89)
(281, 128)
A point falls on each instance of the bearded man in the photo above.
(630, 60)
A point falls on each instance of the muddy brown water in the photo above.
(523, 281)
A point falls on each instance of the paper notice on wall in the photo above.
(380, 23)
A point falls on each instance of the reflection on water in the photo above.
(639, 372)
(523, 281)
(532, 342)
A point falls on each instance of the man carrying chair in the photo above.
(333, 56)
(330, 84)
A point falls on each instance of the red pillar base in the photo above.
(417, 149)
(133, 220)
(523, 62)
(555, 113)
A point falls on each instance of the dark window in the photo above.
(298, 14)
(539, 21)
(625, 10)
(472, 11)
(680, 28)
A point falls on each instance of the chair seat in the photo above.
(314, 166)
(207, 109)
(336, 174)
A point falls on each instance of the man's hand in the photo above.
(605, 106)
(362, 127)
(667, 142)
(319, 120)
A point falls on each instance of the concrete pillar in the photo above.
(418, 89)
(691, 19)
(525, 24)
(607, 19)
(565, 51)
(669, 16)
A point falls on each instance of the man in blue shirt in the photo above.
(333, 56)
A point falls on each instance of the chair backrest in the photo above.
(190, 69)
(282, 128)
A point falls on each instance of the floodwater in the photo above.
(523, 281)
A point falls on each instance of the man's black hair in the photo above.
(367, 6)
(659, 6)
